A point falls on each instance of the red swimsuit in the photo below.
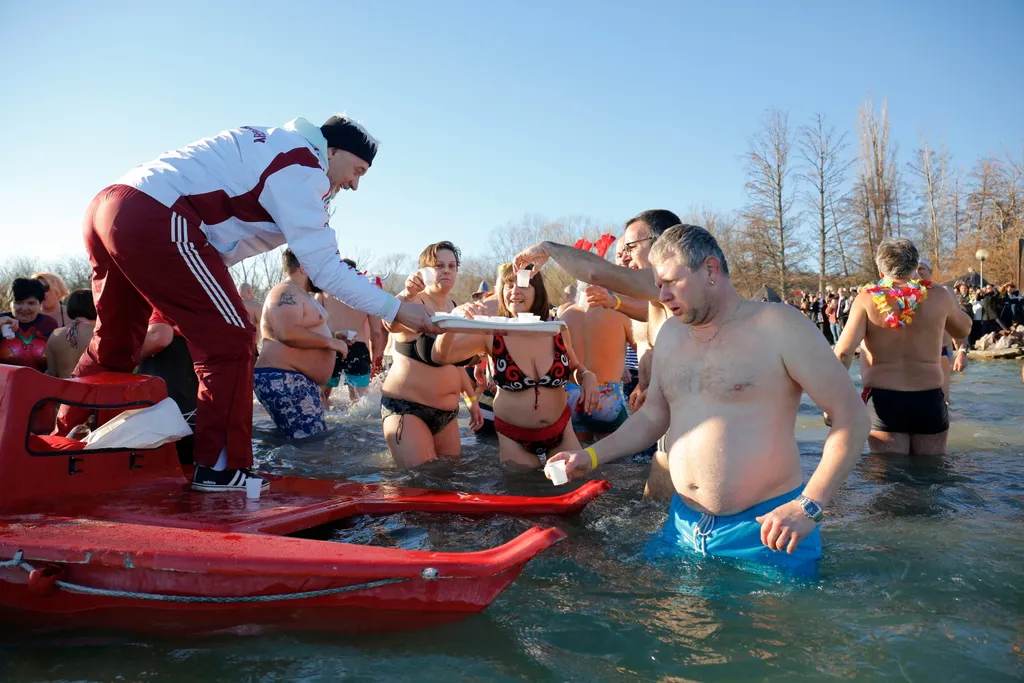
(28, 347)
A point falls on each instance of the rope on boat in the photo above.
(18, 561)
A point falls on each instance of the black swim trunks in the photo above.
(355, 366)
(435, 418)
(907, 412)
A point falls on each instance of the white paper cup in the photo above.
(429, 276)
(253, 488)
(556, 470)
(8, 332)
(351, 334)
(523, 278)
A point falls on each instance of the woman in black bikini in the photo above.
(531, 411)
(420, 398)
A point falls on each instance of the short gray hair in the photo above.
(692, 242)
(897, 259)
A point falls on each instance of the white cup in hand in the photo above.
(523, 278)
(429, 276)
(556, 471)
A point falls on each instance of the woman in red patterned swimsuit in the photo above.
(531, 411)
(23, 341)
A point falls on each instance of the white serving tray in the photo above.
(488, 325)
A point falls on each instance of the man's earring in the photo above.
(712, 283)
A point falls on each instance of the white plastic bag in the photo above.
(141, 428)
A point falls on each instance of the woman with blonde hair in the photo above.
(56, 293)
(531, 407)
(420, 397)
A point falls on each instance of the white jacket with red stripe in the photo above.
(254, 189)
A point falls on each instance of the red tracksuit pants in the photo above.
(145, 255)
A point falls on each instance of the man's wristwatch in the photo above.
(811, 509)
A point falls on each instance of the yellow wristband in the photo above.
(469, 399)
(618, 301)
(593, 457)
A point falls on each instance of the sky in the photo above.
(486, 111)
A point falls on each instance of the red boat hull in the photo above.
(117, 540)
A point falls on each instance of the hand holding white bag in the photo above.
(141, 428)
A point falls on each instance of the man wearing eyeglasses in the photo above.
(637, 297)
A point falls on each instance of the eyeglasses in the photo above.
(629, 247)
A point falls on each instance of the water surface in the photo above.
(922, 578)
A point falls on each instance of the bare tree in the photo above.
(771, 195)
(929, 168)
(955, 209)
(394, 268)
(876, 177)
(824, 171)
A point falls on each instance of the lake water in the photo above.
(923, 578)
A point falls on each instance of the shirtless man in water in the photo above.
(362, 333)
(634, 283)
(726, 385)
(900, 367)
(298, 354)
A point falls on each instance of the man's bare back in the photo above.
(599, 338)
(61, 354)
(901, 367)
(906, 358)
(341, 317)
(286, 299)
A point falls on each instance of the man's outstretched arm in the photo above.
(592, 269)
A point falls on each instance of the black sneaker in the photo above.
(209, 480)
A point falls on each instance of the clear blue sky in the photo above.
(486, 110)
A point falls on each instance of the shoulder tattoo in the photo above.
(286, 299)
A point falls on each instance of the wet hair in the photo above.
(428, 258)
(289, 261)
(80, 305)
(897, 258)
(658, 220)
(245, 287)
(541, 307)
(53, 283)
(693, 243)
(349, 262)
(25, 288)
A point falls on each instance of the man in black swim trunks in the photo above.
(364, 335)
(902, 324)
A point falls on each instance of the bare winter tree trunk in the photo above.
(930, 170)
(771, 197)
(876, 177)
(824, 172)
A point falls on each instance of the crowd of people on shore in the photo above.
(657, 357)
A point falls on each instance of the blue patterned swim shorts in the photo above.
(293, 401)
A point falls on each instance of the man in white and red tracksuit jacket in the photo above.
(165, 233)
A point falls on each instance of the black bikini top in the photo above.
(420, 350)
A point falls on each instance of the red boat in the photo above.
(116, 539)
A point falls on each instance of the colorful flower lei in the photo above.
(907, 298)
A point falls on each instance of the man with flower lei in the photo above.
(902, 321)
